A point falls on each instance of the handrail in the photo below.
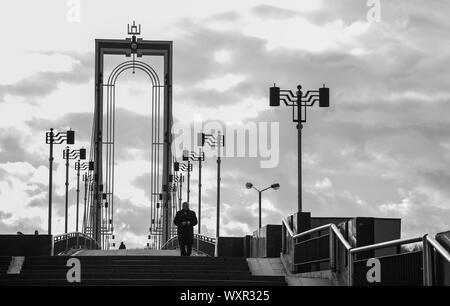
(338, 234)
(72, 234)
(199, 238)
(428, 268)
(168, 242)
(58, 239)
(286, 224)
(311, 231)
(371, 247)
(438, 247)
(386, 244)
(332, 226)
(428, 262)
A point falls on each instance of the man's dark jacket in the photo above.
(185, 232)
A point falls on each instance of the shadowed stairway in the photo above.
(140, 270)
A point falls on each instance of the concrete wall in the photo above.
(231, 247)
(266, 241)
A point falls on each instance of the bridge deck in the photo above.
(130, 252)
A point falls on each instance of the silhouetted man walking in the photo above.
(185, 220)
(122, 246)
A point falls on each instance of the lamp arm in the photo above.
(256, 189)
(266, 188)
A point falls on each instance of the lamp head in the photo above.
(185, 155)
(274, 96)
(249, 185)
(275, 186)
(324, 96)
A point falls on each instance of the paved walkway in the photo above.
(130, 252)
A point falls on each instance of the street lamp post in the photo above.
(218, 142)
(200, 157)
(52, 138)
(180, 190)
(186, 168)
(86, 179)
(299, 103)
(275, 186)
(191, 155)
(70, 154)
(81, 166)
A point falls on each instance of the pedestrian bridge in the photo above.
(323, 255)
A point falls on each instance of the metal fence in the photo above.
(65, 242)
(324, 248)
(202, 244)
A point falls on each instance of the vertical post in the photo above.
(427, 263)
(200, 193)
(167, 152)
(50, 183)
(189, 180)
(332, 251)
(299, 134)
(78, 196)
(350, 268)
(199, 225)
(260, 196)
(85, 177)
(98, 146)
(181, 191)
(67, 191)
(216, 251)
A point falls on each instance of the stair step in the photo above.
(140, 270)
(142, 276)
(140, 282)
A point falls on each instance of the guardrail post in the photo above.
(426, 260)
(350, 268)
(332, 251)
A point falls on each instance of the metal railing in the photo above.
(341, 253)
(338, 247)
(373, 247)
(430, 247)
(202, 244)
(64, 242)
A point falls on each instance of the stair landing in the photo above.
(130, 252)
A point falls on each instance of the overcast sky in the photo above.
(382, 149)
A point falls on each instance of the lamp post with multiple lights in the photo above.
(275, 186)
(200, 157)
(186, 168)
(70, 154)
(215, 142)
(52, 138)
(81, 166)
(299, 103)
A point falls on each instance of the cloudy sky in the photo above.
(382, 149)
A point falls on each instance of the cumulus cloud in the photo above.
(381, 149)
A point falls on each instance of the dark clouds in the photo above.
(14, 147)
(383, 144)
(268, 11)
(44, 83)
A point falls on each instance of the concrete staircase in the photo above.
(4, 264)
(140, 270)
